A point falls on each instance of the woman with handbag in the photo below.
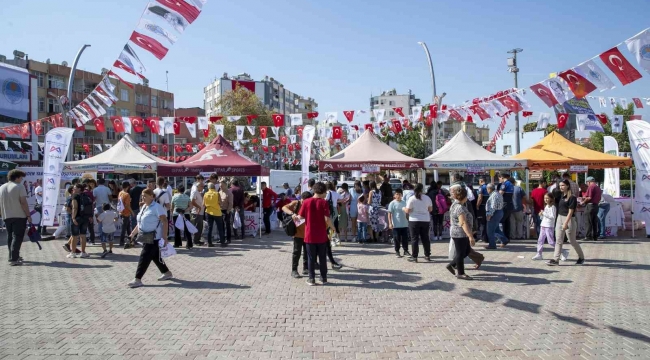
(152, 227)
(299, 246)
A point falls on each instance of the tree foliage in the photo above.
(597, 142)
(533, 127)
(410, 144)
(240, 101)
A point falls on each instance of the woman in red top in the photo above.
(537, 195)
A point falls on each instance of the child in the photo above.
(362, 219)
(547, 225)
(108, 219)
(398, 222)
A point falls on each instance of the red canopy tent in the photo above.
(217, 157)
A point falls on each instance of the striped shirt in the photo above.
(494, 203)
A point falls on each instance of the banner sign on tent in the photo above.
(579, 168)
(105, 168)
(370, 169)
(475, 169)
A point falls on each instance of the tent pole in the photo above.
(632, 200)
(528, 191)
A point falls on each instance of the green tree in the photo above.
(410, 144)
(533, 127)
(240, 101)
(597, 142)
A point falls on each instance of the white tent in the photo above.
(124, 157)
(462, 153)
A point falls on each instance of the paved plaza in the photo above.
(240, 302)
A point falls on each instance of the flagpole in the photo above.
(435, 100)
(73, 70)
(512, 67)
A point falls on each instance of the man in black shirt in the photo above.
(135, 192)
(386, 192)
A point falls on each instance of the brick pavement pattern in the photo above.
(240, 302)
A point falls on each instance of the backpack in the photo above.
(441, 203)
(86, 206)
(290, 226)
(330, 203)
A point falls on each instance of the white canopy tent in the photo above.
(462, 153)
(124, 157)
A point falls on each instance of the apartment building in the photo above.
(389, 100)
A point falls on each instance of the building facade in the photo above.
(390, 99)
(480, 134)
(270, 92)
(52, 82)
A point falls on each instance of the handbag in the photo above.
(34, 235)
(147, 237)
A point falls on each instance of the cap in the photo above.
(591, 178)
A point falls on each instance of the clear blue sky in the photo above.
(340, 52)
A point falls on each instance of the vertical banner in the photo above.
(57, 141)
(612, 184)
(308, 133)
(639, 134)
(14, 91)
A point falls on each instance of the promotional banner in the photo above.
(14, 91)
(57, 141)
(639, 134)
(308, 133)
(612, 184)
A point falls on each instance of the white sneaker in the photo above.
(538, 257)
(72, 256)
(135, 283)
(565, 255)
(84, 255)
(166, 276)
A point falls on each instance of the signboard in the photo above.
(579, 168)
(15, 156)
(105, 168)
(535, 175)
(370, 169)
(471, 169)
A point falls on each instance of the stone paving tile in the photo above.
(239, 302)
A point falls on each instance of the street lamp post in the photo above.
(435, 100)
(69, 107)
(512, 67)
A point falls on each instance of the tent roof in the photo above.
(124, 157)
(555, 152)
(368, 150)
(461, 152)
(217, 157)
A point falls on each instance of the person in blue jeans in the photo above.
(398, 222)
(603, 210)
(494, 214)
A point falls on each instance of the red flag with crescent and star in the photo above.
(312, 115)
(153, 124)
(602, 118)
(618, 64)
(368, 127)
(120, 65)
(150, 44)
(154, 148)
(397, 126)
(561, 120)
(189, 12)
(118, 126)
(177, 127)
(137, 124)
(399, 111)
(349, 114)
(263, 132)
(510, 103)
(638, 103)
(476, 109)
(283, 140)
(544, 94)
(86, 148)
(178, 148)
(38, 127)
(188, 147)
(214, 119)
(206, 132)
(250, 118)
(165, 148)
(99, 124)
(299, 130)
(143, 147)
(278, 120)
(580, 86)
(336, 132)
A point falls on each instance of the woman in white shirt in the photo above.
(419, 208)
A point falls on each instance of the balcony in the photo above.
(142, 108)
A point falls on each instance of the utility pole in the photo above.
(512, 67)
(64, 110)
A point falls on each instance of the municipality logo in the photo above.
(645, 177)
(46, 213)
(50, 180)
(645, 209)
(56, 149)
(13, 91)
(642, 145)
(58, 136)
(644, 52)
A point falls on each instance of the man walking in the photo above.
(480, 208)
(102, 195)
(124, 209)
(386, 191)
(226, 203)
(506, 190)
(135, 192)
(269, 197)
(82, 212)
(15, 213)
(517, 214)
(238, 205)
(591, 201)
(198, 210)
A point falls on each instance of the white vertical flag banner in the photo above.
(617, 123)
(191, 128)
(612, 184)
(169, 125)
(14, 91)
(240, 131)
(590, 71)
(379, 114)
(639, 135)
(202, 122)
(543, 121)
(639, 46)
(161, 127)
(57, 142)
(602, 102)
(296, 119)
(307, 137)
(581, 121)
(218, 129)
(417, 112)
(126, 121)
(331, 117)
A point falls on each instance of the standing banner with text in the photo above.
(639, 134)
(307, 138)
(612, 184)
(57, 141)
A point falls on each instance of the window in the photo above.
(138, 99)
(391, 113)
(40, 79)
(111, 111)
(381, 102)
(507, 150)
(124, 112)
(53, 106)
(110, 134)
(124, 95)
(391, 103)
(56, 82)
(154, 101)
(41, 104)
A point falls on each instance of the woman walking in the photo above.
(374, 200)
(181, 208)
(566, 224)
(344, 199)
(419, 208)
(547, 216)
(354, 211)
(461, 231)
(152, 227)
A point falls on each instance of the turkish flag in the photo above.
(478, 110)
(189, 12)
(143, 147)
(526, 113)
(118, 126)
(88, 109)
(406, 124)
(283, 140)
(206, 132)
(274, 148)
(397, 126)
(580, 86)
(113, 74)
(178, 148)
(265, 149)
(188, 147)
(177, 127)
(510, 103)
(154, 148)
(263, 131)
(290, 147)
(368, 127)
(433, 111)
(165, 148)
(618, 64)
(561, 120)
(150, 44)
(638, 103)
(38, 127)
(200, 146)
(137, 124)
(153, 124)
(544, 94)
(349, 114)
(99, 124)
(470, 119)
(299, 130)
(190, 119)
(24, 131)
(336, 132)
(278, 119)
(312, 115)
(602, 118)
(399, 111)
(214, 119)
(250, 118)
(455, 115)
(120, 65)
(254, 140)
(296, 146)
(86, 147)
(635, 117)
(443, 107)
